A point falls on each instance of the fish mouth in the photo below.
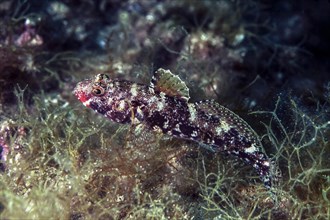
(82, 92)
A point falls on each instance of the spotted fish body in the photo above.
(164, 106)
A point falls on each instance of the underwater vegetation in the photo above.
(264, 60)
(62, 166)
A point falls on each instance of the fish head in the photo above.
(94, 92)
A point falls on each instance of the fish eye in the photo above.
(98, 91)
(99, 88)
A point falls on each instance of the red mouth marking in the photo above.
(83, 98)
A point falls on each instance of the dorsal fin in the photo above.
(211, 107)
(170, 84)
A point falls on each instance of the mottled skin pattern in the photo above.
(205, 122)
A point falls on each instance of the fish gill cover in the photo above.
(265, 61)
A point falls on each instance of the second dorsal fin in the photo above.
(228, 118)
(165, 81)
